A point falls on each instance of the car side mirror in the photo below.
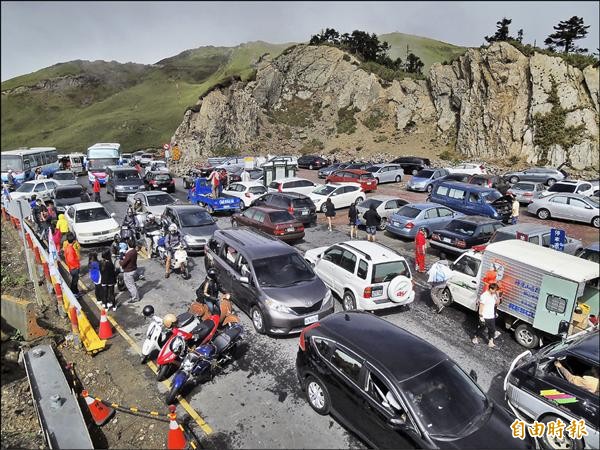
(473, 375)
(244, 280)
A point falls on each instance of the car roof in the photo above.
(566, 194)
(423, 206)
(357, 171)
(587, 348)
(376, 252)
(467, 186)
(87, 205)
(121, 168)
(63, 171)
(384, 198)
(184, 208)
(477, 219)
(64, 187)
(248, 183)
(268, 210)
(280, 180)
(152, 193)
(157, 172)
(379, 341)
(290, 194)
(570, 182)
(527, 228)
(254, 244)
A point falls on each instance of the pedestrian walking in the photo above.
(329, 212)
(514, 215)
(420, 245)
(353, 221)
(439, 274)
(63, 226)
(96, 189)
(108, 279)
(75, 244)
(372, 221)
(72, 260)
(56, 235)
(95, 275)
(129, 267)
(487, 315)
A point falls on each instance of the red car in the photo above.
(365, 179)
(276, 222)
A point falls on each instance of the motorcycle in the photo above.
(156, 335)
(189, 332)
(179, 261)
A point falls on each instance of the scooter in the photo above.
(179, 261)
(189, 332)
(156, 335)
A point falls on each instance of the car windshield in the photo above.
(408, 211)
(282, 270)
(63, 176)
(445, 400)
(560, 187)
(491, 196)
(594, 201)
(372, 169)
(424, 174)
(281, 216)
(367, 203)
(127, 175)
(91, 215)
(70, 192)
(160, 200)
(389, 270)
(524, 187)
(324, 190)
(195, 218)
(162, 177)
(274, 185)
(98, 164)
(25, 187)
(303, 202)
(11, 162)
(366, 176)
(460, 227)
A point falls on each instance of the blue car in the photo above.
(423, 180)
(431, 216)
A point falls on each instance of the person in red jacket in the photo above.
(72, 260)
(96, 188)
(420, 244)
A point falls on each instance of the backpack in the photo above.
(95, 272)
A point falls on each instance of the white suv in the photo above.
(365, 275)
(570, 186)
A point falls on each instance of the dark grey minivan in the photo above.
(122, 181)
(269, 280)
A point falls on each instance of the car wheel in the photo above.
(359, 200)
(377, 181)
(550, 181)
(317, 395)
(323, 207)
(348, 301)
(543, 214)
(398, 178)
(526, 337)
(446, 297)
(310, 167)
(382, 224)
(596, 222)
(258, 320)
(514, 180)
(553, 442)
(429, 188)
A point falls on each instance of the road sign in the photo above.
(176, 154)
(558, 239)
(166, 146)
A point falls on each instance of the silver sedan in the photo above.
(574, 207)
(385, 206)
(152, 201)
(527, 191)
(545, 175)
(385, 173)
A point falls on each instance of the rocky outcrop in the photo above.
(57, 84)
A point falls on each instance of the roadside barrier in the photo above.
(176, 439)
(105, 331)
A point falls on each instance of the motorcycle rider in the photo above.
(151, 226)
(169, 321)
(208, 292)
(138, 211)
(129, 222)
(172, 240)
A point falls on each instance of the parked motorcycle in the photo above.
(179, 261)
(156, 335)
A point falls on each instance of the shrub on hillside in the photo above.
(346, 122)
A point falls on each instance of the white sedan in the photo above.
(42, 189)
(64, 177)
(341, 194)
(246, 191)
(91, 223)
(293, 184)
(468, 168)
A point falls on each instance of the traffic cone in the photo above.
(99, 411)
(105, 330)
(176, 438)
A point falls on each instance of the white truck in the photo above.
(540, 287)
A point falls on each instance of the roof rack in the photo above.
(366, 255)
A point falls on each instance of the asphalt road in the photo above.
(255, 401)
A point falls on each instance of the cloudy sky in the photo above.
(39, 34)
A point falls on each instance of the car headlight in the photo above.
(275, 305)
(86, 234)
(119, 188)
(188, 239)
(327, 299)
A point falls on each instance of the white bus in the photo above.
(25, 161)
(99, 157)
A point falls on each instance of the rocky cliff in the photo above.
(489, 103)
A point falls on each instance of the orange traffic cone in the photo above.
(176, 438)
(100, 412)
(105, 331)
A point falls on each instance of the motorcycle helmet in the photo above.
(169, 320)
(173, 228)
(148, 311)
(212, 274)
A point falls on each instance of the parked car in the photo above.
(411, 164)
(193, 221)
(137, 155)
(292, 184)
(472, 199)
(269, 280)
(386, 173)
(460, 177)
(64, 177)
(575, 207)
(414, 216)
(275, 222)
(463, 233)
(469, 168)
(546, 175)
(312, 162)
(365, 179)
(342, 195)
(153, 202)
(359, 166)
(299, 205)
(328, 170)
(159, 180)
(385, 205)
(423, 180)
(536, 233)
(365, 275)
(64, 196)
(91, 223)
(569, 186)
(231, 163)
(490, 181)
(348, 366)
(595, 187)
(526, 191)
(539, 391)
(591, 253)
(145, 159)
(246, 191)
(156, 166)
(122, 181)
(42, 189)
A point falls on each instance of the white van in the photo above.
(72, 162)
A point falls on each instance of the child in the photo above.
(95, 276)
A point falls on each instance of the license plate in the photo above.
(447, 240)
(305, 213)
(163, 189)
(289, 229)
(311, 319)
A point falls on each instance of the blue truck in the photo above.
(201, 194)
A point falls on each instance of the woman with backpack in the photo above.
(329, 211)
(95, 276)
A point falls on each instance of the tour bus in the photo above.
(99, 157)
(73, 162)
(25, 161)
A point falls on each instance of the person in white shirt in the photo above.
(487, 315)
(245, 176)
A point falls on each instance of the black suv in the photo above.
(411, 164)
(491, 181)
(64, 196)
(462, 234)
(269, 280)
(312, 162)
(348, 365)
(299, 205)
(159, 180)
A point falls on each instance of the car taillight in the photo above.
(489, 183)
(279, 231)
(460, 243)
(291, 210)
(300, 228)
(479, 248)
(302, 342)
(528, 194)
(409, 226)
(152, 181)
(435, 237)
(367, 292)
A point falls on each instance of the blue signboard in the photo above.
(558, 239)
